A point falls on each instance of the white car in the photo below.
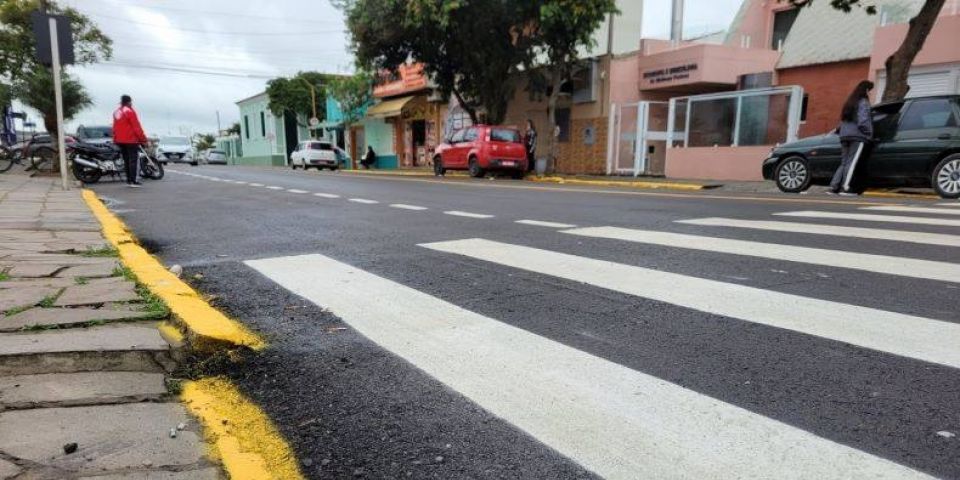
(176, 150)
(314, 153)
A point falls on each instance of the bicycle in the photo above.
(42, 158)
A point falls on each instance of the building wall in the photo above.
(753, 26)
(261, 146)
(626, 31)
(827, 87)
(941, 46)
(716, 163)
(379, 134)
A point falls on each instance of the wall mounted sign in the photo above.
(671, 74)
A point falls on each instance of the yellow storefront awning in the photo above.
(388, 108)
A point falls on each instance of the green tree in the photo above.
(16, 36)
(293, 95)
(352, 93)
(563, 28)
(35, 90)
(471, 49)
(203, 141)
(898, 64)
(234, 129)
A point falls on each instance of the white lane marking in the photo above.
(899, 208)
(273, 187)
(457, 213)
(821, 229)
(403, 206)
(255, 184)
(538, 223)
(946, 222)
(617, 422)
(239, 182)
(900, 334)
(326, 195)
(904, 267)
(363, 201)
(294, 190)
(949, 204)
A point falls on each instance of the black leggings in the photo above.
(131, 161)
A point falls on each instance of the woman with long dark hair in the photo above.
(856, 133)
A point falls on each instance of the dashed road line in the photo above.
(539, 223)
(274, 187)
(402, 206)
(363, 201)
(326, 195)
(294, 190)
(255, 184)
(458, 213)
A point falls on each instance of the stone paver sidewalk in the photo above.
(83, 368)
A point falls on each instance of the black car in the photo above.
(916, 144)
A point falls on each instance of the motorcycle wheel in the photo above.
(86, 174)
(152, 169)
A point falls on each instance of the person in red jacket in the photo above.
(128, 135)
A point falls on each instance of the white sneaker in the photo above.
(134, 185)
(849, 194)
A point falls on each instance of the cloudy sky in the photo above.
(182, 61)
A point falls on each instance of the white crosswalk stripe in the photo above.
(905, 335)
(834, 230)
(617, 422)
(863, 217)
(949, 204)
(926, 210)
(908, 267)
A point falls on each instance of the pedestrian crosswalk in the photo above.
(623, 423)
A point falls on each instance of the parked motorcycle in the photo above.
(92, 161)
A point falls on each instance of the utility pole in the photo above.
(58, 97)
(218, 123)
(313, 99)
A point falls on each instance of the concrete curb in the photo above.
(627, 184)
(246, 441)
(207, 329)
(888, 194)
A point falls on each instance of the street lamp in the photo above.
(313, 98)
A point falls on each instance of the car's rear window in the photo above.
(320, 146)
(504, 135)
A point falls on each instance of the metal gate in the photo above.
(640, 143)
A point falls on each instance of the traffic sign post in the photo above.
(55, 48)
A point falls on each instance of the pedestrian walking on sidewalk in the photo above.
(530, 142)
(856, 137)
(129, 136)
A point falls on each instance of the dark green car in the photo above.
(917, 144)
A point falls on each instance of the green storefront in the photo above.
(266, 139)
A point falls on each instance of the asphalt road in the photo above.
(418, 330)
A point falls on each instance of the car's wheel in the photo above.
(518, 175)
(946, 177)
(793, 175)
(438, 169)
(475, 170)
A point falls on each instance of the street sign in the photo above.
(41, 33)
(314, 121)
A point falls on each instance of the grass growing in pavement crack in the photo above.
(81, 280)
(4, 276)
(125, 272)
(47, 302)
(101, 252)
(15, 310)
(40, 328)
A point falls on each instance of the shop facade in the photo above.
(713, 110)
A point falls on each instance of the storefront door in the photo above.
(641, 139)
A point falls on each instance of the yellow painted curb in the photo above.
(401, 173)
(608, 183)
(245, 440)
(206, 327)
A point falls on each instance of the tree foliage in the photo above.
(898, 64)
(16, 36)
(473, 49)
(234, 129)
(292, 95)
(204, 141)
(35, 90)
(352, 93)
